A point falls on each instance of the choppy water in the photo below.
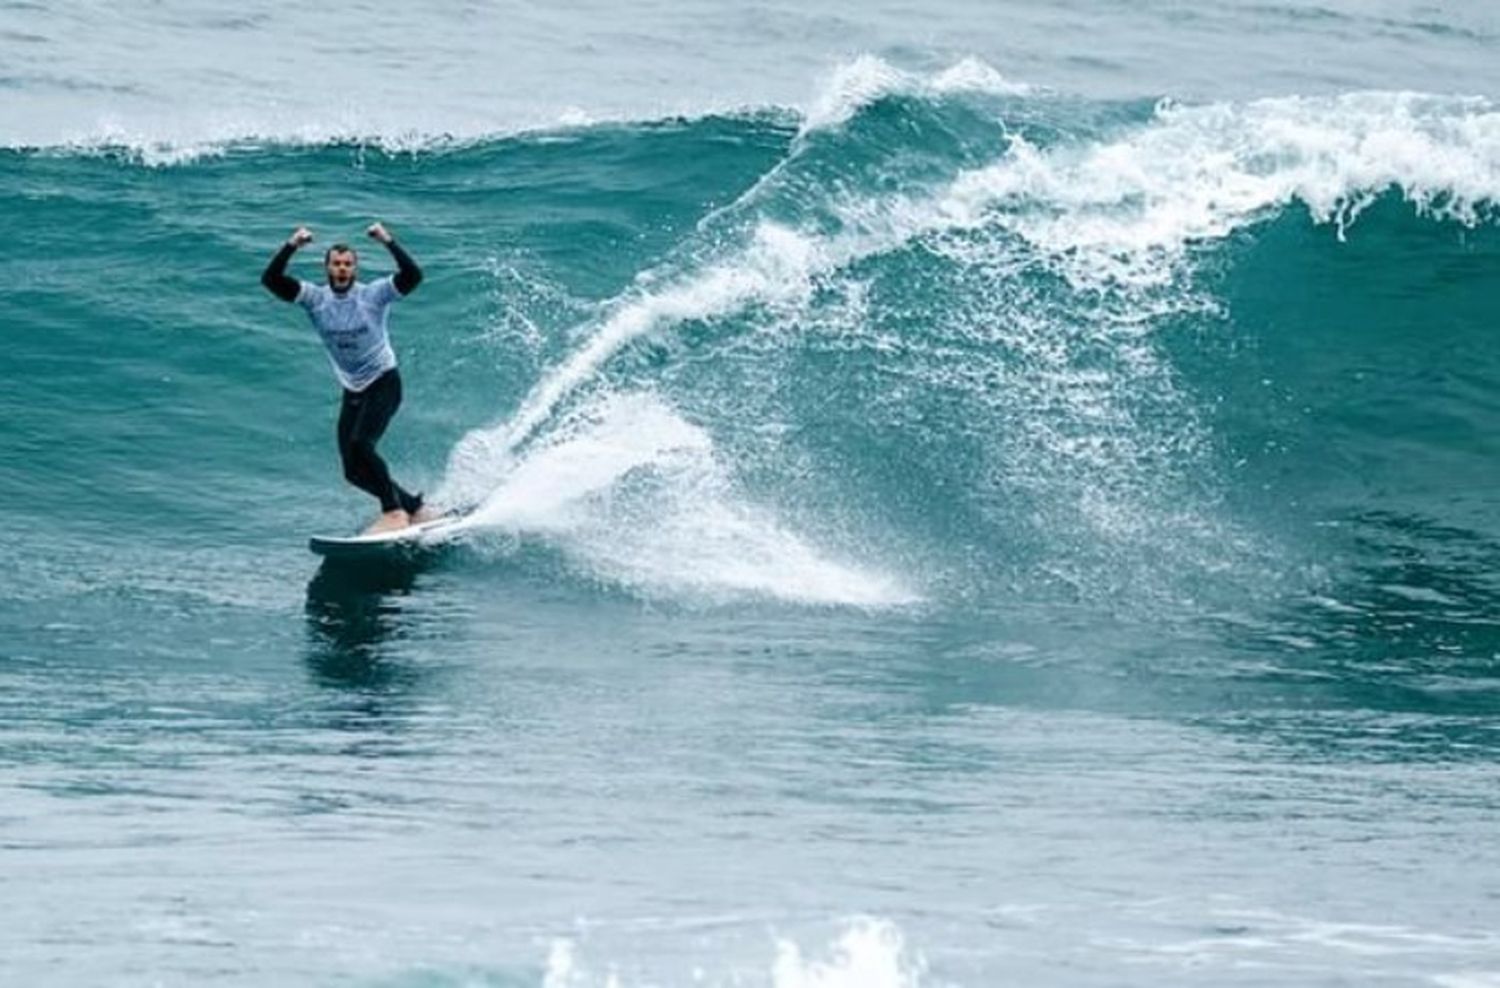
(969, 496)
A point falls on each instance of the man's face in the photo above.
(342, 266)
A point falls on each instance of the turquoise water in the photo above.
(963, 500)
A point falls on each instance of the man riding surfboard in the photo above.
(350, 317)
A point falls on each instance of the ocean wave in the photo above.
(1085, 420)
(948, 350)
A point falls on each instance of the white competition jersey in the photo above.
(352, 325)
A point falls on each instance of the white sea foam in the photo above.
(871, 953)
(776, 267)
(159, 144)
(633, 493)
(1128, 207)
(868, 953)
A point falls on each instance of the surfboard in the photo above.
(397, 541)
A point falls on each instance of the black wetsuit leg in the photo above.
(362, 421)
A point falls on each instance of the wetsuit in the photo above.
(352, 325)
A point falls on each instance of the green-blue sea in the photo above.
(965, 495)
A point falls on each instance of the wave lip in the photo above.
(856, 84)
(1123, 206)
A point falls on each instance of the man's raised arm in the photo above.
(275, 278)
(408, 276)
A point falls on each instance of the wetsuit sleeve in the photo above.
(408, 276)
(275, 278)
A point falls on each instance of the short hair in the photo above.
(340, 249)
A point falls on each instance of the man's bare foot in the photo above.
(389, 522)
(425, 513)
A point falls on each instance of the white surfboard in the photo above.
(392, 543)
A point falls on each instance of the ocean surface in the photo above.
(968, 495)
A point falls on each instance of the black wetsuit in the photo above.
(363, 417)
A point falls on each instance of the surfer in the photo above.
(350, 316)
